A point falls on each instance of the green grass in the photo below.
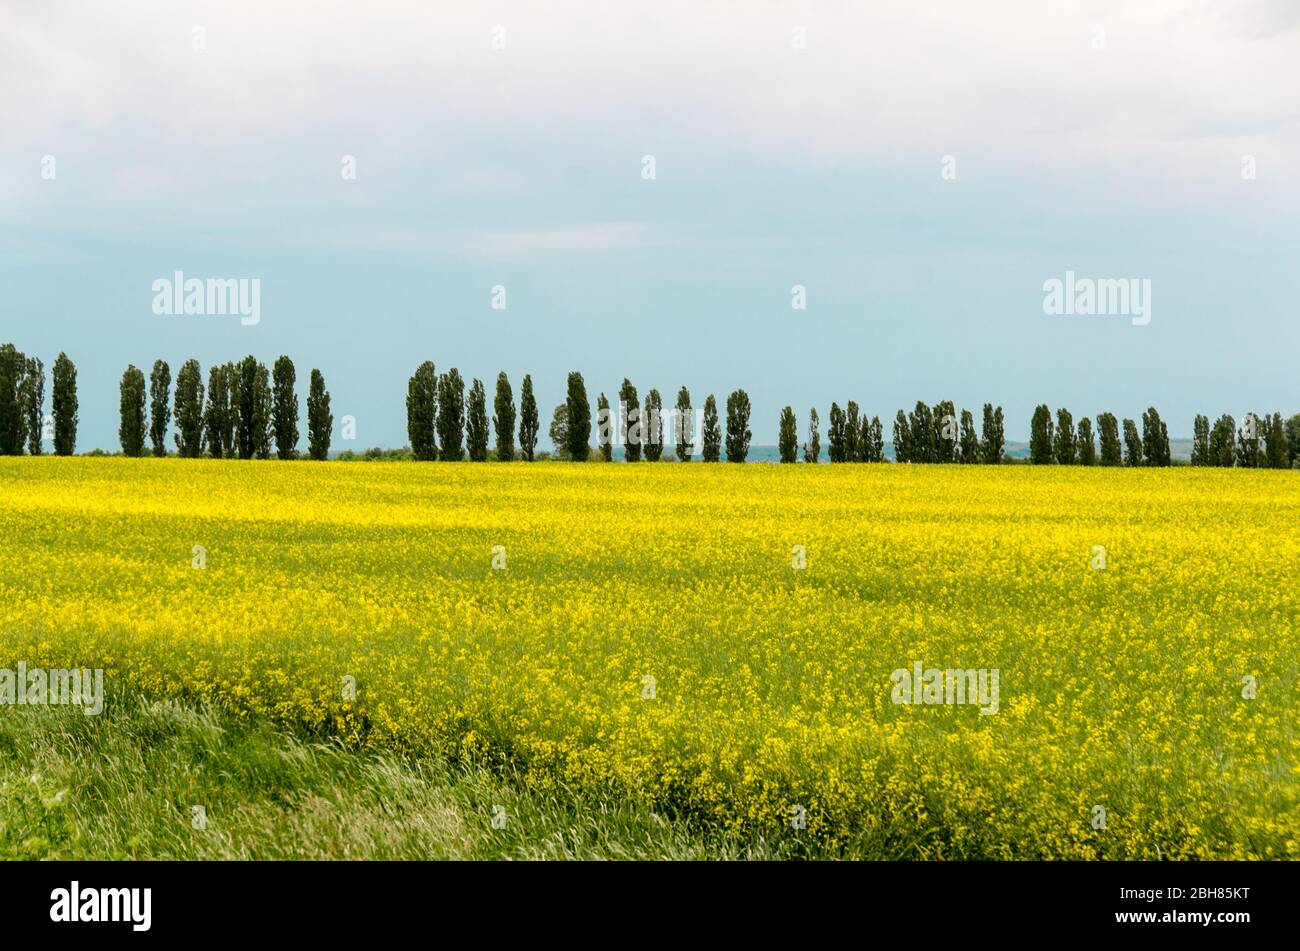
(122, 785)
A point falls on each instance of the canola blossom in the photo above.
(727, 643)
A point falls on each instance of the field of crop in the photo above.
(644, 631)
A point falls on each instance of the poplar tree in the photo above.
(13, 429)
(687, 438)
(970, 444)
(284, 409)
(451, 416)
(712, 435)
(652, 426)
(1222, 449)
(1275, 443)
(1201, 440)
(1085, 448)
(993, 439)
(923, 434)
(131, 428)
(422, 412)
(1132, 444)
(835, 434)
(604, 429)
(788, 439)
(902, 438)
(476, 423)
(263, 398)
(503, 418)
(1155, 439)
(1040, 436)
(216, 411)
(630, 431)
(1064, 443)
(64, 406)
(579, 409)
(852, 433)
(188, 410)
(529, 423)
(160, 381)
(812, 449)
(876, 440)
(1108, 436)
(738, 434)
(320, 421)
(33, 404)
(946, 431)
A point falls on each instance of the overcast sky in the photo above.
(793, 144)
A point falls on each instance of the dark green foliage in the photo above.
(217, 411)
(992, 437)
(32, 397)
(13, 430)
(579, 434)
(652, 426)
(738, 434)
(284, 409)
(1063, 447)
(529, 423)
(1248, 442)
(1108, 437)
(231, 438)
(1201, 441)
(812, 449)
(1041, 436)
(1293, 440)
(503, 418)
(320, 421)
(64, 406)
(422, 412)
(1275, 444)
(1085, 447)
(559, 431)
(970, 444)
(476, 423)
(788, 439)
(902, 438)
(631, 428)
(946, 431)
(835, 435)
(923, 435)
(1155, 439)
(875, 441)
(852, 433)
(261, 420)
(451, 416)
(188, 410)
(712, 435)
(604, 429)
(130, 430)
(1132, 444)
(685, 426)
(160, 382)
(1222, 442)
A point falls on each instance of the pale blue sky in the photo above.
(776, 166)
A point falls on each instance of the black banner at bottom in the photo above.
(1211, 901)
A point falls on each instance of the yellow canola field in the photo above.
(646, 630)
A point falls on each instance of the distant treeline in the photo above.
(246, 411)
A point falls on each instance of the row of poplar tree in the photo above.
(248, 409)
(927, 434)
(23, 422)
(1261, 441)
(441, 424)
